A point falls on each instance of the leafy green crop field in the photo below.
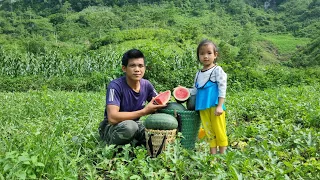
(286, 43)
(273, 134)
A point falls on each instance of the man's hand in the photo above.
(115, 116)
(151, 107)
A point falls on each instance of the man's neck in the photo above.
(134, 85)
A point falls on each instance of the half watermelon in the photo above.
(181, 94)
(163, 98)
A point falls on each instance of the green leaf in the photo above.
(235, 173)
(23, 158)
(34, 159)
(7, 167)
(32, 176)
(39, 164)
(135, 177)
(21, 174)
(11, 154)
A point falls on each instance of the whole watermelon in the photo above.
(161, 121)
(175, 106)
(191, 103)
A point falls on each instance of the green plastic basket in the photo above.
(190, 125)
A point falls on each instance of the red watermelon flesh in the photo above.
(181, 94)
(163, 98)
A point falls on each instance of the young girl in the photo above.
(210, 89)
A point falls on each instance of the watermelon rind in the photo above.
(161, 121)
(176, 94)
(191, 103)
(175, 106)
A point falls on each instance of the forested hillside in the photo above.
(57, 56)
(54, 39)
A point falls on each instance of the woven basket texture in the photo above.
(190, 125)
(157, 138)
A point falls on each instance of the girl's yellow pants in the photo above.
(215, 127)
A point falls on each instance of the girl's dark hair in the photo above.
(205, 42)
(131, 54)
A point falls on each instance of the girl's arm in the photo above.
(221, 78)
(222, 86)
(193, 90)
(219, 109)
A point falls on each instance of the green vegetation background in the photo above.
(77, 45)
(57, 56)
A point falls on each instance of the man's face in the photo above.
(135, 69)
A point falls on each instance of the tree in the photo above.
(66, 8)
(8, 5)
(248, 52)
(237, 7)
(198, 6)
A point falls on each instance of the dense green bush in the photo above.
(308, 56)
(95, 82)
(165, 69)
(116, 36)
(55, 63)
(44, 49)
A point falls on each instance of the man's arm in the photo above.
(115, 117)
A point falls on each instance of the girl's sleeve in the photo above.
(221, 78)
(193, 90)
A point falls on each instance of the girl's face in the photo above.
(207, 56)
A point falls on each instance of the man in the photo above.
(126, 102)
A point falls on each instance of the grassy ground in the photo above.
(286, 43)
(48, 134)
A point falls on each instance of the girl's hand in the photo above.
(218, 111)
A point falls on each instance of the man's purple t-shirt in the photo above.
(120, 94)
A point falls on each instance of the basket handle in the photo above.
(178, 117)
(162, 144)
(151, 146)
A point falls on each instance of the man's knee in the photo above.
(129, 127)
(124, 132)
